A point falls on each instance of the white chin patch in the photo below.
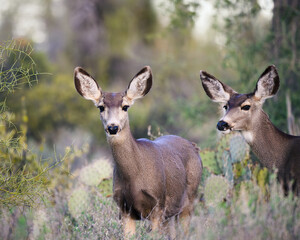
(226, 131)
(112, 135)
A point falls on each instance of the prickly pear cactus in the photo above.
(105, 187)
(230, 158)
(235, 157)
(261, 175)
(217, 189)
(210, 161)
(78, 202)
(227, 166)
(222, 146)
(238, 148)
(93, 174)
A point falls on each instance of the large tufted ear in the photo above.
(267, 84)
(215, 89)
(140, 85)
(86, 85)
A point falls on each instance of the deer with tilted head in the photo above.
(155, 180)
(244, 113)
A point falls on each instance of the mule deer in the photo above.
(155, 180)
(244, 113)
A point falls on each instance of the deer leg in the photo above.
(156, 227)
(171, 230)
(155, 224)
(128, 226)
(185, 221)
(185, 216)
(168, 228)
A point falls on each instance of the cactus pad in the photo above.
(216, 190)
(78, 202)
(93, 174)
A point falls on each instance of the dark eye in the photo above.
(125, 108)
(246, 107)
(101, 108)
(225, 107)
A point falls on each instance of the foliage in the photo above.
(96, 177)
(182, 18)
(24, 175)
(22, 178)
(252, 43)
(95, 173)
(17, 66)
(217, 189)
(236, 214)
(59, 105)
(229, 158)
(244, 40)
(248, 215)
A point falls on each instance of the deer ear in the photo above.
(140, 85)
(215, 89)
(86, 85)
(267, 84)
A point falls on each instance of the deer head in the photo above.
(241, 111)
(113, 106)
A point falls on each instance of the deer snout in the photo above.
(222, 126)
(112, 129)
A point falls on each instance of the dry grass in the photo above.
(247, 214)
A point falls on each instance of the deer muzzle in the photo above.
(223, 126)
(112, 129)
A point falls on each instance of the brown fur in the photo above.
(156, 180)
(277, 150)
(274, 148)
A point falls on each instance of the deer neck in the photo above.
(125, 151)
(267, 142)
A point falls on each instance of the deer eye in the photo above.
(125, 108)
(101, 108)
(225, 107)
(246, 107)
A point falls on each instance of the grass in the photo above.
(246, 213)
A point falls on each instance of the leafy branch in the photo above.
(17, 66)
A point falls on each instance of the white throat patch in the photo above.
(248, 136)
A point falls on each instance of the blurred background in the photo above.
(113, 39)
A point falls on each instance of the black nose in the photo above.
(222, 126)
(113, 129)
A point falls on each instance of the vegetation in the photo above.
(22, 177)
(25, 177)
(55, 170)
